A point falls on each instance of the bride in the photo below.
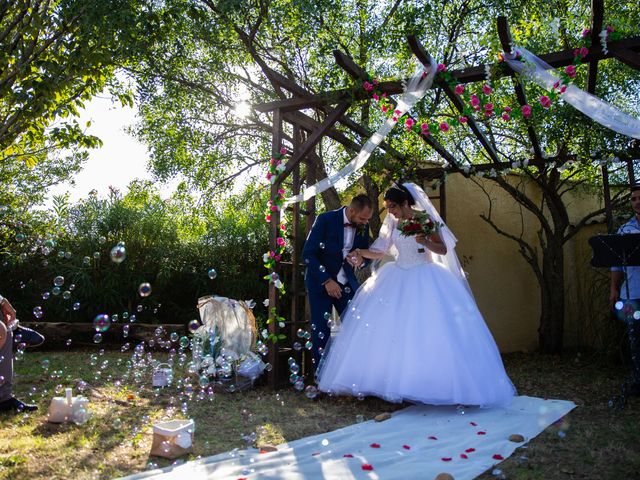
(413, 330)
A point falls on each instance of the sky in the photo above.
(120, 160)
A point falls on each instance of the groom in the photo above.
(330, 278)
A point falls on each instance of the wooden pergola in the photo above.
(332, 107)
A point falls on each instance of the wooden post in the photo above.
(607, 198)
(274, 229)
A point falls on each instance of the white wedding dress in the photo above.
(414, 332)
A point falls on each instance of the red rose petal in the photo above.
(406, 447)
(366, 466)
(347, 455)
(482, 433)
(469, 450)
(473, 423)
(432, 437)
(464, 455)
(375, 445)
(498, 457)
(446, 459)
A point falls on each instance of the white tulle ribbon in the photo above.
(546, 76)
(417, 88)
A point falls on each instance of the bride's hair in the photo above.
(399, 194)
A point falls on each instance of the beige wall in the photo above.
(503, 283)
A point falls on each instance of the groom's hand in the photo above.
(333, 289)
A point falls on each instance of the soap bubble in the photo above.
(97, 338)
(37, 312)
(311, 392)
(193, 325)
(144, 289)
(55, 290)
(212, 273)
(58, 281)
(101, 323)
(118, 253)
(76, 306)
(66, 295)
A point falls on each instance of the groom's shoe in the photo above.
(14, 405)
(28, 336)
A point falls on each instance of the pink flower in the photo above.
(563, 89)
(384, 108)
(609, 28)
(441, 67)
(384, 95)
(459, 89)
(506, 117)
(273, 208)
(545, 101)
(283, 227)
(409, 123)
(272, 161)
(375, 81)
(507, 109)
(277, 258)
(280, 241)
(283, 151)
(367, 86)
(488, 106)
(267, 218)
(474, 101)
(281, 191)
(376, 97)
(444, 127)
(556, 84)
(424, 126)
(272, 254)
(463, 119)
(570, 70)
(269, 175)
(488, 113)
(526, 111)
(394, 118)
(397, 112)
(486, 89)
(586, 32)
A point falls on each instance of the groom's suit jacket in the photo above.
(322, 251)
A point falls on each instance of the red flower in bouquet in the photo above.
(420, 224)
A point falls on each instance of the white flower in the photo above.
(278, 284)
(265, 257)
(266, 302)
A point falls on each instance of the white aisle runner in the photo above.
(417, 442)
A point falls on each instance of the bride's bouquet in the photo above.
(420, 224)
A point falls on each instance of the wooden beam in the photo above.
(628, 56)
(315, 137)
(476, 74)
(504, 33)
(423, 56)
(355, 71)
(597, 15)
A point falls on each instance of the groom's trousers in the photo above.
(321, 311)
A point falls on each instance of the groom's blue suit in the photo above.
(323, 255)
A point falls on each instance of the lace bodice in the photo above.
(406, 252)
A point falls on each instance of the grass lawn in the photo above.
(593, 442)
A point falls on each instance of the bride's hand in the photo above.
(421, 239)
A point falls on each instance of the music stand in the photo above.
(620, 250)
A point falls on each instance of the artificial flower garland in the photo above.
(479, 103)
(273, 257)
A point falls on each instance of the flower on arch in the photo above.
(459, 89)
(409, 123)
(570, 70)
(545, 101)
(444, 127)
(367, 86)
(486, 89)
(526, 111)
(441, 67)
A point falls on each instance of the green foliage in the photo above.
(170, 244)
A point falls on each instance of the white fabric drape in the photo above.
(416, 89)
(544, 75)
